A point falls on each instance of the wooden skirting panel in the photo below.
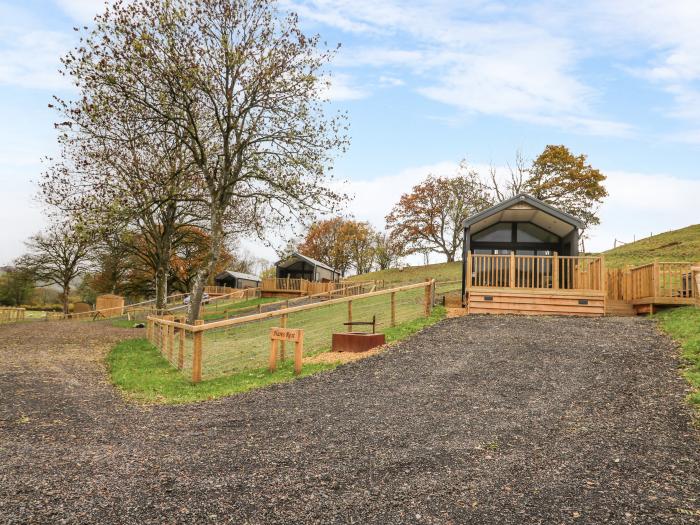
(539, 303)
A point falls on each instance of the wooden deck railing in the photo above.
(670, 281)
(535, 272)
(11, 314)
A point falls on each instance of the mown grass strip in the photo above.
(683, 325)
(138, 369)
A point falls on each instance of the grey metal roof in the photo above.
(238, 275)
(532, 201)
(309, 260)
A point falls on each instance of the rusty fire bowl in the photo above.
(356, 341)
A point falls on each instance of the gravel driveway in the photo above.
(475, 420)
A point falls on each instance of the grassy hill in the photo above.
(676, 245)
(413, 274)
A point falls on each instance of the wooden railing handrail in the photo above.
(284, 311)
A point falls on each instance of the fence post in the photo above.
(426, 297)
(181, 346)
(468, 280)
(171, 338)
(283, 346)
(273, 355)
(298, 354)
(512, 269)
(349, 316)
(555, 271)
(197, 354)
(393, 309)
(655, 280)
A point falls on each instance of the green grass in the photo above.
(414, 274)
(144, 376)
(224, 310)
(678, 245)
(139, 370)
(683, 325)
(123, 323)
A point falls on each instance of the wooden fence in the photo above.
(11, 315)
(535, 272)
(665, 282)
(170, 333)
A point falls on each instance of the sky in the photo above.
(427, 84)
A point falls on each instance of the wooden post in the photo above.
(655, 282)
(426, 297)
(470, 262)
(512, 270)
(273, 355)
(283, 346)
(349, 316)
(298, 355)
(181, 347)
(555, 271)
(149, 330)
(171, 338)
(197, 354)
(393, 308)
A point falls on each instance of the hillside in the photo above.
(676, 245)
(413, 274)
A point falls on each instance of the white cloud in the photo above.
(82, 11)
(342, 87)
(644, 203)
(477, 56)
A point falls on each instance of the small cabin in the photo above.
(521, 256)
(299, 266)
(237, 280)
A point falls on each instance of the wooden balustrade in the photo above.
(536, 272)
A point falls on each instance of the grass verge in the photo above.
(138, 369)
(683, 325)
(222, 311)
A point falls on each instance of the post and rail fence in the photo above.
(224, 347)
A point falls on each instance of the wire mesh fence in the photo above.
(242, 344)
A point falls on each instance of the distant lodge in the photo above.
(298, 266)
(237, 280)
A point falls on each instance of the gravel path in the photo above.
(476, 420)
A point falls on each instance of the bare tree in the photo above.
(241, 84)
(58, 256)
(518, 174)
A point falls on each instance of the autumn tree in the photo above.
(16, 286)
(388, 250)
(58, 256)
(242, 86)
(360, 239)
(568, 182)
(326, 241)
(430, 217)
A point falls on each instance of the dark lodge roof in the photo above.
(238, 275)
(524, 208)
(284, 263)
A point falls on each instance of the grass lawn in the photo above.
(683, 324)
(144, 376)
(216, 311)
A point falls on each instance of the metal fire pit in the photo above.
(356, 341)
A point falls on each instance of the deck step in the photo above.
(619, 308)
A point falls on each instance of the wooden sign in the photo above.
(286, 334)
(281, 335)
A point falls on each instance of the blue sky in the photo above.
(427, 84)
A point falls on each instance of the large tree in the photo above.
(16, 286)
(327, 241)
(59, 256)
(240, 84)
(430, 217)
(568, 182)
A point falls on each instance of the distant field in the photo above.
(676, 245)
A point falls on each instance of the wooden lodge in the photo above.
(298, 275)
(521, 257)
(232, 279)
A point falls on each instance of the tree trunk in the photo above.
(217, 239)
(161, 287)
(64, 299)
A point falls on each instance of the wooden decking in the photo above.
(552, 285)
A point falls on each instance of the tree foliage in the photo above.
(430, 217)
(16, 286)
(240, 85)
(59, 256)
(567, 182)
